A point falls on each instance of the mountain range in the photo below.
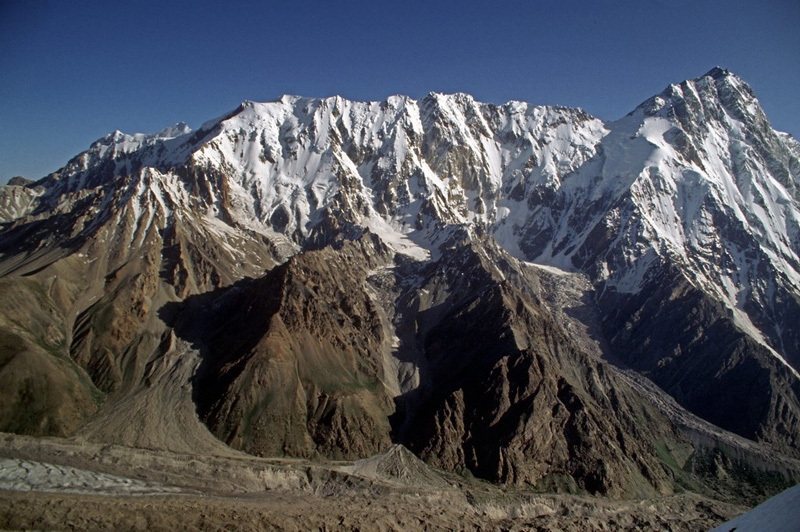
(525, 294)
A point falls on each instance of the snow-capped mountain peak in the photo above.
(367, 233)
(694, 176)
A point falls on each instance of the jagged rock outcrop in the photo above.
(703, 345)
(505, 394)
(295, 362)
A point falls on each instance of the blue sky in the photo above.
(71, 72)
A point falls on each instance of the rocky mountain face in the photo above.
(495, 286)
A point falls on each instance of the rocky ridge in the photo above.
(321, 278)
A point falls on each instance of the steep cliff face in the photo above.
(295, 362)
(340, 275)
(504, 392)
(704, 361)
(707, 313)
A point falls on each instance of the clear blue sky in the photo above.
(72, 71)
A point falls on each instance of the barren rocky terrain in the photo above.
(399, 315)
(59, 484)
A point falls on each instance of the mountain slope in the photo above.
(343, 275)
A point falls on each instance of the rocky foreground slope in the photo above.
(60, 485)
(524, 294)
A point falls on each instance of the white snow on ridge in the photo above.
(745, 324)
(290, 155)
(17, 201)
(647, 186)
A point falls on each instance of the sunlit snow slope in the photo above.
(693, 187)
(695, 176)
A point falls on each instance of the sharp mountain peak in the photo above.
(443, 273)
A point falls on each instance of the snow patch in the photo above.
(780, 513)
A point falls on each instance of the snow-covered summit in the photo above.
(181, 128)
(695, 177)
(681, 218)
